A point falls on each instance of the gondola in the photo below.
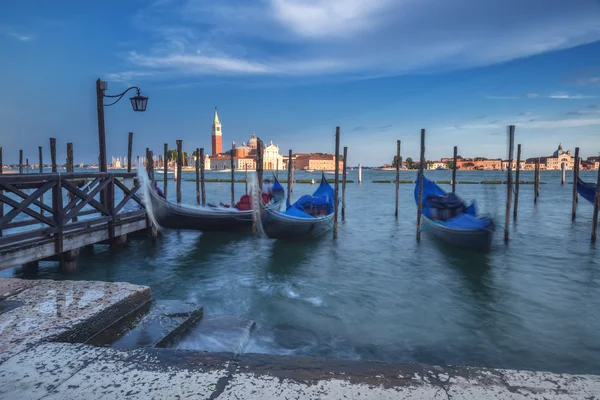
(210, 218)
(586, 190)
(310, 216)
(450, 219)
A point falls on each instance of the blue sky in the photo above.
(291, 70)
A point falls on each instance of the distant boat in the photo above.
(308, 217)
(586, 190)
(451, 220)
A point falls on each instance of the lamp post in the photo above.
(138, 102)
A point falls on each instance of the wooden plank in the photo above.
(127, 197)
(23, 206)
(14, 190)
(90, 197)
(71, 204)
(23, 236)
(134, 189)
(83, 196)
(21, 224)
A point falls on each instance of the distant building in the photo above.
(317, 162)
(553, 162)
(217, 135)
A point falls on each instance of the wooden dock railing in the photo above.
(84, 208)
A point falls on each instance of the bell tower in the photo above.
(217, 135)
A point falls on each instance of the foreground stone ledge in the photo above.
(68, 311)
(76, 371)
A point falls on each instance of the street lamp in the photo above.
(138, 102)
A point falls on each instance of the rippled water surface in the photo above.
(375, 293)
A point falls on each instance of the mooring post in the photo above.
(345, 164)
(197, 175)
(336, 187)
(517, 177)
(20, 161)
(535, 181)
(151, 164)
(27, 165)
(563, 174)
(359, 173)
(596, 205)
(420, 196)
(69, 166)
(179, 163)
(129, 151)
(511, 145)
(246, 178)
(289, 185)
(539, 178)
(259, 163)
(1, 203)
(202, 188)
(40, 170)
(455, 160)
(575, 177)
(53, 153)
(166, 167)
(397, 176)
(232, 173)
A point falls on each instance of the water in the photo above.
(376, 293)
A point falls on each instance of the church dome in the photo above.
(558, 151)
(252, 142)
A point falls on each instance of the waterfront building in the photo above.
(316, 161)
(555, 161)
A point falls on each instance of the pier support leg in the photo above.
(31, 268)
(118, 242)
(68, 261)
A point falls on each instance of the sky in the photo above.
(292, 70)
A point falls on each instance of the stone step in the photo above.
(161, 324)
(219, 333)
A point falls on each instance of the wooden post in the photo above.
(397, 175)
(336, 187)
(564, 174)
(232, 173)
(289, 185)
(575, 177)
(150, 164)
(539, 176)
(345, 164)
(41, 164)
(359, 173)
(197, 175)
(454, 169)
(179, 163)
(69, 165)
(20, 161)
(596, 205)
(53, 153)
(129, 151)
(259, 163)
(202, 188)
(40, 169)
(517, 177)
(420, 178)
(27, 165)
(165, 168)
(100, 87)
(511, 145)
(1, 203)
(535, 181)
(246, 180)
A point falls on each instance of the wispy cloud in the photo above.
(21, 37)
(359, 38)
(359, 128)
(555, 95)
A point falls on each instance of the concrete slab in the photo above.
(69, 311)
(219, 333)
(75, 371)
(10, 287)
(161, 325)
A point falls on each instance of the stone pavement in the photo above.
(41, 323)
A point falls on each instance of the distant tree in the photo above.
(409, 163)
(480, 159)
(397, 161)
(469, 164)
(450, 164)
(459, 157)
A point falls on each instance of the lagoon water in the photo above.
(377, 294)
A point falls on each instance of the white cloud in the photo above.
(361, 38)
(21, 37)
(555, 95)
(563, 95)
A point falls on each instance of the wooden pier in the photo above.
(79, 210)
